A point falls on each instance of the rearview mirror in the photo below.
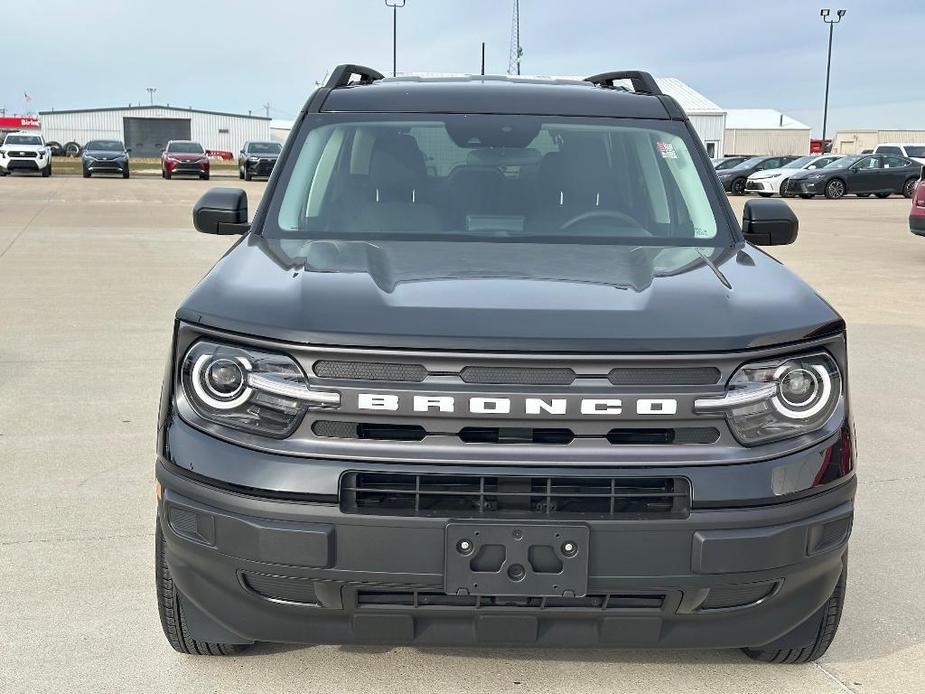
(221, 211)
(769, 223)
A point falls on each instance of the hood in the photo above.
(508, 296)
(104, 153)
(186, 156)
(273, 155)
(806, 173)
(23, 148)
(775, 172)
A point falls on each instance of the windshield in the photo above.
(498, 178)
(915, 150)
(264, 148)
(22, 140)
(749, 163)
(105, 146)
(729, 163)
(186, 148)
(799, 163)
(844, 162)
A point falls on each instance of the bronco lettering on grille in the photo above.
(385, 402)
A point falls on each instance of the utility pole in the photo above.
(151, 92)
(266, 107)
(831, 21)
(483, 58)
(394, 4)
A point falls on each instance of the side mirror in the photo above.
(769, 223)
(221, 211)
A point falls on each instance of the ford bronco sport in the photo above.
(494, 364)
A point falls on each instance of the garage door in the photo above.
(146, 137)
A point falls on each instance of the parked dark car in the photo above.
(858, 174)
(723, 163)
(257, 159)
(105, 156)
(184, 157)
(557, 399)
(917, 214)
(735, 178)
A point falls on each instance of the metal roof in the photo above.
(692, 101)
(761, 119)
(178, 109)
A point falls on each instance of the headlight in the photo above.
(252, 159)
(249, 389)
(773, 400)
(89, 158)
(202, 160)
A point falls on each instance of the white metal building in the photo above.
(708, 119)
(146, 129)
(856, 141)
(761, 131)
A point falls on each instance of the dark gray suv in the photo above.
(493, 364)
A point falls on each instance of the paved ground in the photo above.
(90, 274)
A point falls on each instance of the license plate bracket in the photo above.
(543, 560)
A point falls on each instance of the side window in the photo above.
(768, 164)
(868, 163)
(888, 149)
(895, 162)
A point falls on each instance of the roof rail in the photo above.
(340, 76)
(642, 82)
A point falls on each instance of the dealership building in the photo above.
(146, 129)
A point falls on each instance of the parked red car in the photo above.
(917, 215)
(184, 157)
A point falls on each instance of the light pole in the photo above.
(394, 4)
(151, 92)
(826, 15)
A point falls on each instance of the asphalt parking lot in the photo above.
(91, 272)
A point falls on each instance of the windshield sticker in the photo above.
(666, 149)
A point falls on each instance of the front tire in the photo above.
(171, 613)
(829, 616)
(909, 187)
(167, 174)
(204, 177)
(46, 172)
(835, 189)
(86, 174)
(738, 187)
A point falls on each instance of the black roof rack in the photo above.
(642, 82)
(342, 74)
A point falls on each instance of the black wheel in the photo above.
(909, 187)
(241, 172)
(86, 174)
(204, 177)
(168, 606)
(167, 174)
(883, 195)
(3, 173)
(765, 195)
(72, 149)
(828, 617)
(807, 196)
(863, 195)
(125, 174)
(56, 149)
(738, 186)
(248, 176)
(46, 172)
(835, 189)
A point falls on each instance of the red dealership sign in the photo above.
(18, 122)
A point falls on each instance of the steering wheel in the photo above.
(585, 217)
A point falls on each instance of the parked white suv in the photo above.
(24, 152)
(910, 150)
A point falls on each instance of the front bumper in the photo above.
(186, 167)
(106, 166)
(264, 167)
(24, 163)
(762, 185)
(251, 568)
(805, 187)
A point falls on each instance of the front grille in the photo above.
(27, 155)
(515, 496)
(621, 436)
(370, 371)
(424, 600)
(501, 375)
(754, 185)
(669, 376)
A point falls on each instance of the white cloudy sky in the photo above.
(236, 55)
